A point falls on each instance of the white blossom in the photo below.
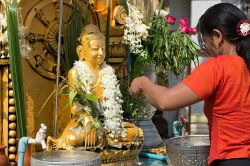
(244, 28)
(25, 49)
(163, 13)
(3, 21)
(135, 30)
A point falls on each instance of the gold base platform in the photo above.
(158, 151)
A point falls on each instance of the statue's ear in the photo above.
(79, 52)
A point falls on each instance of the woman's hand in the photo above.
(136, 87)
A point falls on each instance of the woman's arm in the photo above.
(162, 97)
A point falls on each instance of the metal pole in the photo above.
(107, 32)
(58, 65)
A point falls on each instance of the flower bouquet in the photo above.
(158, 43)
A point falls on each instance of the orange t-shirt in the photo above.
(223, 82)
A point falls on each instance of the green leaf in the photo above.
(66, 106)
(81, 118)
(72, 31)
(97, 123)
(88, 126)
(46, 101)
(91, 97)
(72, 95)
(15, 65)
(124, 3)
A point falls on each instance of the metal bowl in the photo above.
(192, 150)
(65, 158)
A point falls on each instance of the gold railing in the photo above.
(8, 124)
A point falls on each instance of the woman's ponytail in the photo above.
(243, 49)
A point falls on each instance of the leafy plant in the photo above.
(15, 64)
(157, 43)
(131, 106)
(169, 50)
(77, 94)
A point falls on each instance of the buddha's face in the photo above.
(93, 49)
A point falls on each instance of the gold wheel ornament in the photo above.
(42, 22)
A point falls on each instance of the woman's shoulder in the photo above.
(229, 58)
(208, 63)
(230, 62)
(222, 60)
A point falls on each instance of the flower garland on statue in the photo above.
(113, 121)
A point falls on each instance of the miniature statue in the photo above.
(40, 137)
(99, 79)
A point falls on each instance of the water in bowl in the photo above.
(191, 141)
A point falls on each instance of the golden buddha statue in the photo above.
(99, 80)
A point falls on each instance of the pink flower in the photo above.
(184, 25)
(170, 19)
(184, 21)
(192, 31)
(183, 28)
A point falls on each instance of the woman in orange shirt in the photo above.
(223, 82)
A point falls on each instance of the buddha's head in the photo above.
(91, 46)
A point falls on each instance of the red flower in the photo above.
(170, 19)
(192, 31)
(184, 21)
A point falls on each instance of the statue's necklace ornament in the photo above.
(113, 121)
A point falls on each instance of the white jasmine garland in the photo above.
(135, 30)
(113, 121)
(85, 75)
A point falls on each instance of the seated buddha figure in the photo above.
(99, 79)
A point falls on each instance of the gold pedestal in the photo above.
(161, 151)
(119, 155)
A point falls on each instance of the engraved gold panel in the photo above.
(42, 21)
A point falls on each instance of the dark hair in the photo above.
(225, 17)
